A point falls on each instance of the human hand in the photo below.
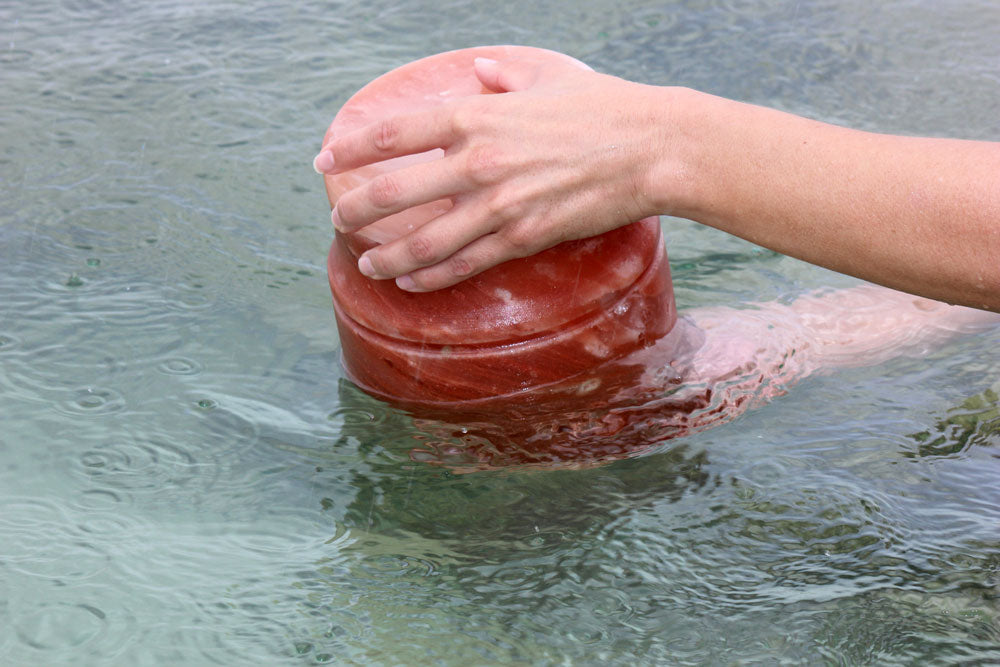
(565, 153)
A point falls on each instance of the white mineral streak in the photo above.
(628, 268)
(595, 346)
(510, 309)
(443, 331)
(547, 269)
(627, 333)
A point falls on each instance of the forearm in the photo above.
(761, 351)
(916, 214)
(868, 325)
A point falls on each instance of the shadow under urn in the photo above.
(521, 351)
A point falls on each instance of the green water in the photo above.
(186, 478)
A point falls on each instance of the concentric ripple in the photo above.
(63, 625)
(142, 464)
(179, 366)
(93, 401)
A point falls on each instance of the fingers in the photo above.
(430, 244)
(450, 249)
(421, 131)
(482, 254)
(396, 191)
(446, 250)
(388, 138)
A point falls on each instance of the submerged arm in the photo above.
(749, 356)
(775, 344)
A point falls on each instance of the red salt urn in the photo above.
(548, 329)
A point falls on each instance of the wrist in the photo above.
(673, 180)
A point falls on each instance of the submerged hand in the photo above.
(563, 154)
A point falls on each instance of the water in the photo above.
(186, 478)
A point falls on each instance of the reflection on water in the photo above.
(974, 423)
(186, 478)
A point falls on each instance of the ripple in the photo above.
(188, 295)
(295, 541)
(353, 417)
(203, 644)
(612, 604)
(15, 56)
(40, 509)
(75, 376)
(40, 541)
(60, 625)
(7, 342)
(109, 525)
(193, 301)
(68, 283)
(179, 366)
(227, 427)
(767, 472)
(398, 565)
(517, 577)
(99, 499)
(93, 401)
(148, 464)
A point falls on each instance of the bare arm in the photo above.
(916, 214)
(568, 153)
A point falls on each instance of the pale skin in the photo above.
(567, 153)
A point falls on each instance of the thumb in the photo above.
(507, 76)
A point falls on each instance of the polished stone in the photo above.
(552, 325)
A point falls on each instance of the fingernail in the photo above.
(366, 267)
(335, 219)
(485, 61)
(323, 162)
(406, 283)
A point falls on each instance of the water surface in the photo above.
(186, 477)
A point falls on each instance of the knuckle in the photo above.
(459, 267)
(495, 210)
(385, 135)
(420, 248)
(384, 191)
(347, 209)
(501, 208)
(465, 118)
(520, 240)
(461, 121)
(483, 164)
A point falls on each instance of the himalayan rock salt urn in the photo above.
(551, 328)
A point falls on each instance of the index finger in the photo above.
(394, 136)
